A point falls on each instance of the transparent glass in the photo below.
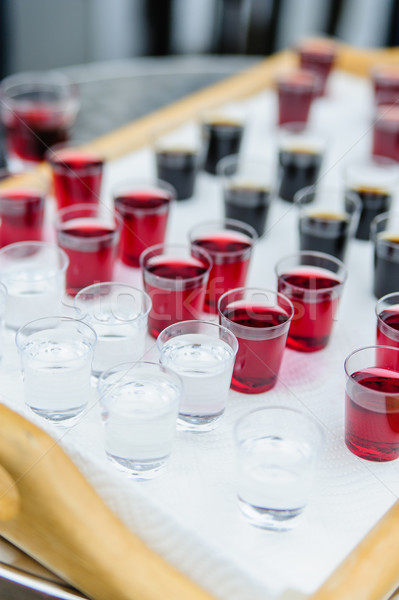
(384, 231)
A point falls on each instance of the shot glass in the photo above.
(118, 314)
(222, 133)
(313, 281)
(296, 90)
(385, 235)
(387, 312)
(3, 303)
(38, 111)
(374, 182)
(385, 80)
(371, 403)
(144, 208)
(90, 237)
(140, 410)
(260, 320)
(56, 355)
(21, 215)
(300, 157)
(77, 174)
(230, 245)
(175, 277)
(318, 56)
(277, 449)
(202, 354)
(34, 275)
(248, 188)
(327, 219)
(386, 132)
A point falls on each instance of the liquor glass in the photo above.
(385, 80)
(296, 90)
(371, 403)
(230, 244)
(144, 208)
(22, 213)
(89, 234)
(313, 281)
(277, 449)
(260, 319)
(118, 314)
(385, 235)
(387, 334)
(203, 355)
(318, 55)
(248, 188)
(56, 355)
(175, 277)
(140, 404)
(34, 275)
(386, 131)
(327, 219)
(38, 111)
(222, 133)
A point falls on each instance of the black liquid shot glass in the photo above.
(222, 134)
(385, 235)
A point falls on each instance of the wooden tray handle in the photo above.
(50, 511)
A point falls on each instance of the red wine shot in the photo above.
(386, 133)
(260, 347)
(222, 138)
(21, 216)
(176, 288)
(386, 85)
(373, 202)
(231, 253)
(315, 293)
(324, 232)
(247, 203)
(387, 335)
(145, 216)
(318, 57)
(296, 92)
(298, 168)
(372, 414)
(91, 249)
(77, 176)
(178, 167)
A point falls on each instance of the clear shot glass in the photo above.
(313, 281)
(327, 219)
(118, 314)
(296, 90)
(385, 235)
(56, 355)
(387, 313)
(203, 355)
(144, 208)
(260, 319)
(248, 187)
(140, 405)
(90, 236)
(22, 213)
(175, 277)
(230, 244)
(34, 275)
(38, 110)
(277, 449)
(371, 403)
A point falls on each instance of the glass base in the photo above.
(60, 417)
(271, 518)
(198, 424)
(139, 470)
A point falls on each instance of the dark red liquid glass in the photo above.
(221, 138)
(179, 169)
(296, 92)
(298, 168)
(324, 232)
(372, 414)
(386, 85)
(77, 176)
(386, 133)
(387, 335)
(318, 57)
(145, 216)
(21, 216)
(315, 297)
(373, 202)
(249, 204)
(386, 265)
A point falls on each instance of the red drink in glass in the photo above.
(318, 56)
(144, 210)
(387, 311)
(77, 175)
(21, 215)
(175, 278)
(386, 132)
(296, 91)
(386, 84)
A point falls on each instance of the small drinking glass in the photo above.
(38, 111)
(313, 281)
(77, 174)
(328, 219)
(248, 188)
(374, 182)
(386, 131)
(222, 133)
(3, 302)
(21, 215)
(296, 90)
(118, 314)
(260, 319)
(90, 237)
(318, 55)
(175, 277)
(144, 208)
(202, 354)
(385, 235)
(56, 355)
(140, 405)
(34, 275)
(371, 403)
(387, 312)
(385, 79)
(230, 245)
(277, 449)
(300, 157)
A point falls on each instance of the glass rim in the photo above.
(45, 246)
(245, 229)
(283, 80)
(52, 318)
(336, 191)
(203, 253)
(26, 80)
(87, 206)
(114, 284)
(37, 192)
(323, 255)
(377, 220)
(138, 185)
(57, 163)
(247, 328)
(239, 159)
(368, 348)
(379, 310)
(211, 324)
